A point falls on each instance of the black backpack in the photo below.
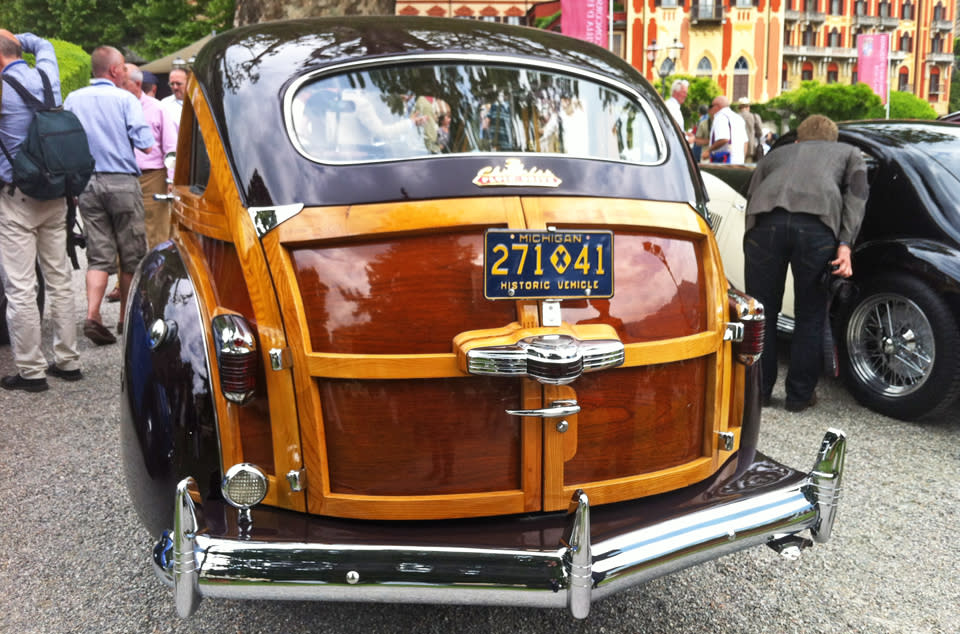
(54, 160)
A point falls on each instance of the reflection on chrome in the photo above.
(578, 571)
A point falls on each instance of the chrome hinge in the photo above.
(727, 439)
(297, 479)
(280, 359)
(733, 331)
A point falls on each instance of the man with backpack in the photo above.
(111, 204)
(32, 230)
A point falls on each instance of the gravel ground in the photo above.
(73, 557)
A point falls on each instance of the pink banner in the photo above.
(585, 19)
(872, 69)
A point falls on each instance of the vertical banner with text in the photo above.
(585, 19)
(873, 51)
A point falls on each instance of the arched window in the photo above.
(906, 12)
(666, 68)
(810, 35)
(903, 80)
(853, 74)
(834, 38)
(806, 72)
(833, 73)
(934, 84)
(906, 42)
(741, 78)
(939, 12)
(836, 7)
(704, 68)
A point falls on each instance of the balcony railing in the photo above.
(865, 21)
(941, 25)
(940, 58)
(706, 13)
(818, 52)
(812, 17)
(888, 23)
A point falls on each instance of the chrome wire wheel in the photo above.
(890, 345)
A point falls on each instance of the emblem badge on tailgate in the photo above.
(513, 174)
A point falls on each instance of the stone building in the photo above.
(756, 48)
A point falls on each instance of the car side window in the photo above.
(199, 161)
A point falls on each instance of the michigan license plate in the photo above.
(547, 264)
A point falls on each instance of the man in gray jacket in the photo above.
(805, 204)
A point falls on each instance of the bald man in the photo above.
(112, 203)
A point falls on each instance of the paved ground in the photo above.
(74, 559)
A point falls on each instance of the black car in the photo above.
(898, 336)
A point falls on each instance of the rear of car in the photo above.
(442, 321)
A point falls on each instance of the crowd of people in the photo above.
(129, 132)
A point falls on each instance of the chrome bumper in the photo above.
(573, 575)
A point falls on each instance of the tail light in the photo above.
(236, 357)
(747, 331)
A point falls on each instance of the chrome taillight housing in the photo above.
(747, 332)
(236, 348)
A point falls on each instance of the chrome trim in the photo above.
(556, 409)
(297, 478)
(161, 331)
(826, 481)
(572, 575)
(472, 58)
(550, 359)
(733, 332)
(280, 359)
(727, 440)
(267, 218)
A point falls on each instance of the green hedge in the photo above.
(74, 66)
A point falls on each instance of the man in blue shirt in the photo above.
(112, 203)
(32, 231)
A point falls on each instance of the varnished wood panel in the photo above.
(638, 420)
(424, 437)
(405, 295)
(659, 290)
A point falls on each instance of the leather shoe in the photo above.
(17, 382)
(98, 333)
(114, 295)
(795, 406)
(66, 375)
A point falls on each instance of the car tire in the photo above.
(900, 349)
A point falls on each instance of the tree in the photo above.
(254, 11)
(836, 101)
(906, 105)
(702, 90)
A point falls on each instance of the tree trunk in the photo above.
(254, 11)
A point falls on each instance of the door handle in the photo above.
(556, 410)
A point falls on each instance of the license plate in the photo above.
(547, 264)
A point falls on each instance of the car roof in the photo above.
(245, 73)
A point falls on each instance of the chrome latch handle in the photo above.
(556, 410)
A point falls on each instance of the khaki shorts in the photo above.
(112, 210)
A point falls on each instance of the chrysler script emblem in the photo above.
(513, 174)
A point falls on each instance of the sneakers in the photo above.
(796, 406)
(66, 375)
(17, 382)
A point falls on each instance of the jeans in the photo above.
(780, 238)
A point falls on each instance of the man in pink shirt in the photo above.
(153, 174)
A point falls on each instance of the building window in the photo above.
(906, 43)
(784, 83)
(833, 74)
(806, 73)
(668, 4)
(853, 74)
(744, 4)
(939, 13)
(810, 36)
(704, 68)
(834, 38)
(809, 5)
(836, 7)
(903, 80)
(936, 44)
(516, 20)
(907, 11)
(860, 8)
(741, 79)
(883, 9)
(934, 84)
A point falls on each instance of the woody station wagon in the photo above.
(442, 321)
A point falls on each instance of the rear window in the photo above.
(403, 112)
